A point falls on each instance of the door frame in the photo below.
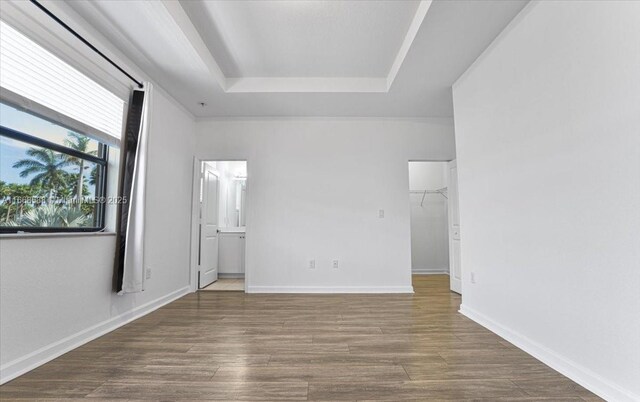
(195, 219)
(447, 161)
(450, 220)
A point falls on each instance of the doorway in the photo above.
(221, 225)
(434, 220)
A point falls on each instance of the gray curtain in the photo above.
(129, 262)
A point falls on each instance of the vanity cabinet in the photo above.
(231, 252)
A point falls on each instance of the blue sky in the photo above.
(12, 151)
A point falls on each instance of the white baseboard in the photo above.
(24, 364)
(581, 375)
(430, 271)
(329, 289)
(223, 275)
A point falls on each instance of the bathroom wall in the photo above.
(227, 199)
(429, 232)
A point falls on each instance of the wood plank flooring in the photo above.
(236, 346)
(227, 285)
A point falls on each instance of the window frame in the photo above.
(101, 160)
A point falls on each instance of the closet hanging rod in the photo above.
(424, 193)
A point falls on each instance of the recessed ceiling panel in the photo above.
(301, 38)
(245, 58)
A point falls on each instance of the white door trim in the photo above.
(195, 225)
(195, 220)
(454, 228)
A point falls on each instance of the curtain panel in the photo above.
(129, 260)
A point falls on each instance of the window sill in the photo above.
(53, 235)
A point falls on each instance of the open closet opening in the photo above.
(222, 226)
(435, 227)
(429, 217)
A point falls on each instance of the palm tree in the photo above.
(80, 143)
(47, 166)
(93, 176)
(20, 196)
(52, 215)
(5, 195)
(5, 191)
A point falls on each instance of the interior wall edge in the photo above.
(538, 128)
(496, 41)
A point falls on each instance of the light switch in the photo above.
(381, 213)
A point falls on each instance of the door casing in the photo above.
(455, 268)
(195, 219)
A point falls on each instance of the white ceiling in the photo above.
(302, 38)
(304, 58)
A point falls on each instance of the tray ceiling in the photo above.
(311, 58)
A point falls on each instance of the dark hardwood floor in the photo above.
(236, 346)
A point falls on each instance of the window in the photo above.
(51, 178)
(33, 73)
(56, 126)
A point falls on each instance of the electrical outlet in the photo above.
(381, 213)
(335, 264)
(147, 273)
(312, 264)
(473, 277)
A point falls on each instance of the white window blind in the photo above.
(33, 78)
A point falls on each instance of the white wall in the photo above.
(55, 292)
(548, 143)
(429, 230)
(314, 189)
(427, 175)
(223, 190)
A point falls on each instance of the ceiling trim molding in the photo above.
(418, 18)
(183, 22)
(295, 84)
(447, 120)
(306, 84)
